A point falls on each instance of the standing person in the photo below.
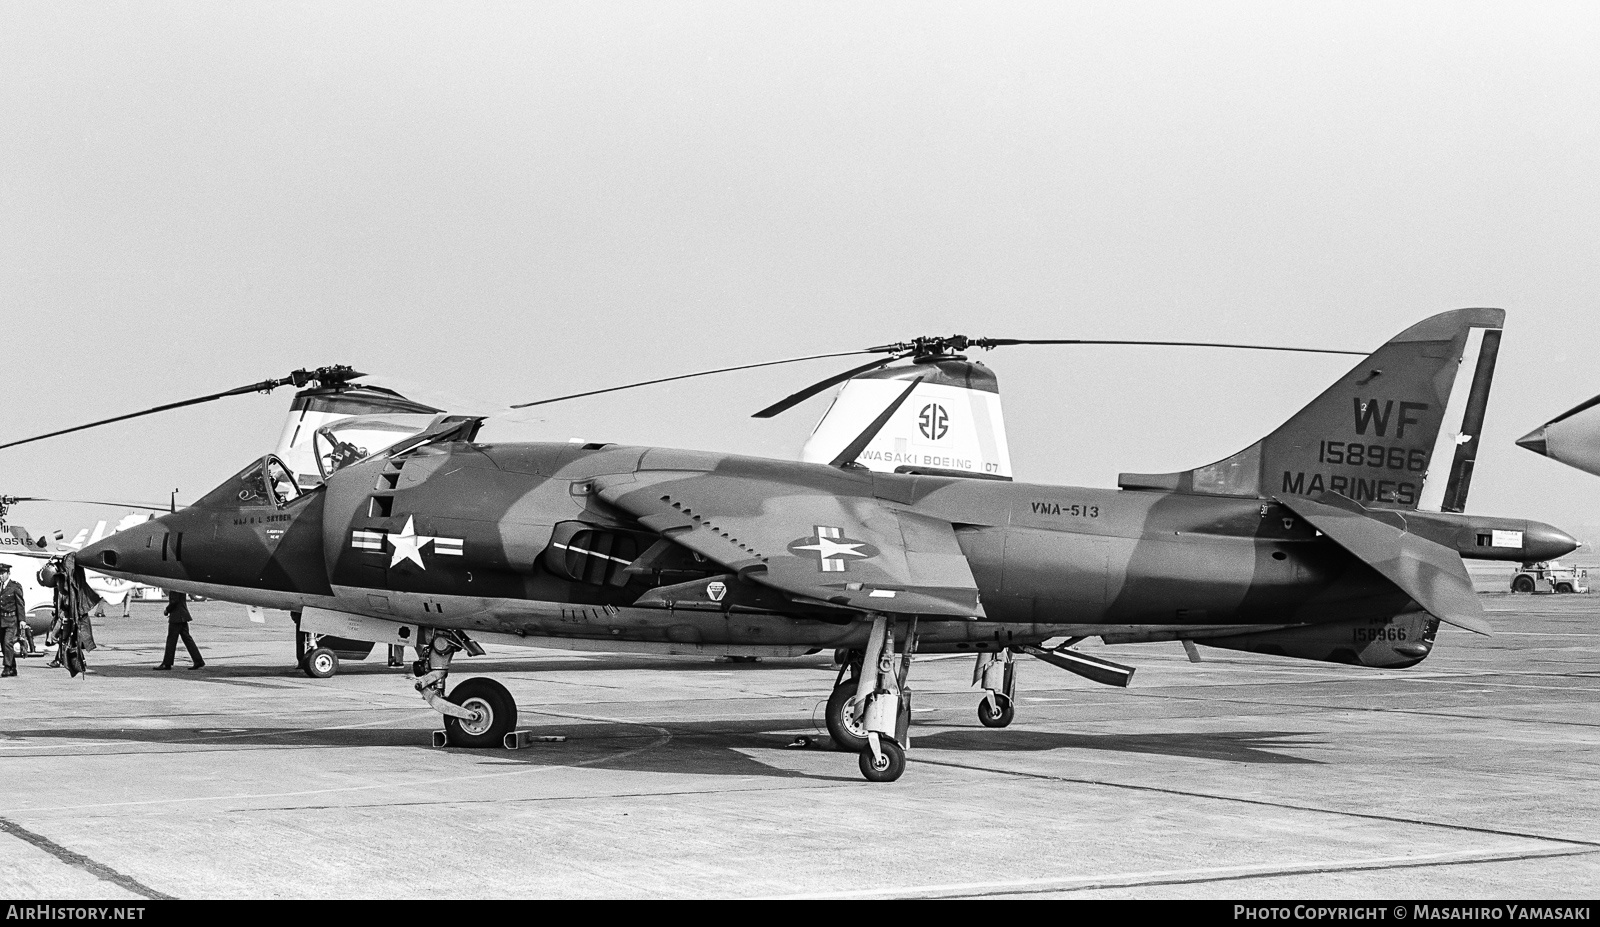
(12, 606)
(61, 610)
(177, 613)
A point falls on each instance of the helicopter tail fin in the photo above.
(1399, 431)
(950, 425)
(390, 415)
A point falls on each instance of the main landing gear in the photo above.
(869, 711)
(479, 712)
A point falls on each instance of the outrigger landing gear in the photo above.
(997, 673)
(480, 712)
(883, 702)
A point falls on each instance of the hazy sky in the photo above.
(523, 199)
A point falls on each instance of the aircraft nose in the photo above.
(1535, 441)
(1547, 542)
(138, 551)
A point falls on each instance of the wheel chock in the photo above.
(516, 740)
(441, 738)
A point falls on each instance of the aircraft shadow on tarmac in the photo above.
(724, 747)
(1230, 746)
(719, 749)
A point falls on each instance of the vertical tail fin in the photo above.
(1398, 431)
(952, 426)
(392, 417)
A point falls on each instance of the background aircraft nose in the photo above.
(1546, 542)
(1535, 441)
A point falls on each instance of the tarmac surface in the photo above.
(1470, 776)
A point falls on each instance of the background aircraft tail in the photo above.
(951, 425)
(372, 418)
(1399, 431)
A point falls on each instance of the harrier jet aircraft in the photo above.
(1338, 537)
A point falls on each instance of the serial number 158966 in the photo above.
(1376, 456)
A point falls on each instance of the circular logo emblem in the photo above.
(934, 421)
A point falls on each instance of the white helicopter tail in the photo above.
(374, 418)
(951, 425)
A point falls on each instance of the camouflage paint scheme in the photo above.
(696, 552)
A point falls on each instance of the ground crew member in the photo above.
(12, 607)
(177, 613)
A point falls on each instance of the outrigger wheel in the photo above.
(1000, 716)
(320, 663)
(496, 714)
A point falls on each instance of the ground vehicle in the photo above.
(1550, 576)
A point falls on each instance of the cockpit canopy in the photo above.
(271, 482)
(341, 443)
(265, 482)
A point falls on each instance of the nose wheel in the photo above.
(886, 765)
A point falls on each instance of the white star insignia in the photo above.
(827, 548)
(408, 545)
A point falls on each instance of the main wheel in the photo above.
(849, 735)
(321, 663)
(991, 718)
(497, 714)
(889, 768)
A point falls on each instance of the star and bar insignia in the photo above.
(832, 547)
(407, 543)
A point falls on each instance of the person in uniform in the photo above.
(177, 613)
(12, 606)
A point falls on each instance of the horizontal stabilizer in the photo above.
(1430, 573)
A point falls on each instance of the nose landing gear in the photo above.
(881, 705)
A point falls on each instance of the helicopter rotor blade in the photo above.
(939, 346)
(794, 399)
(686, 376)
(988, 343)
(298, 378)
(114, 504)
